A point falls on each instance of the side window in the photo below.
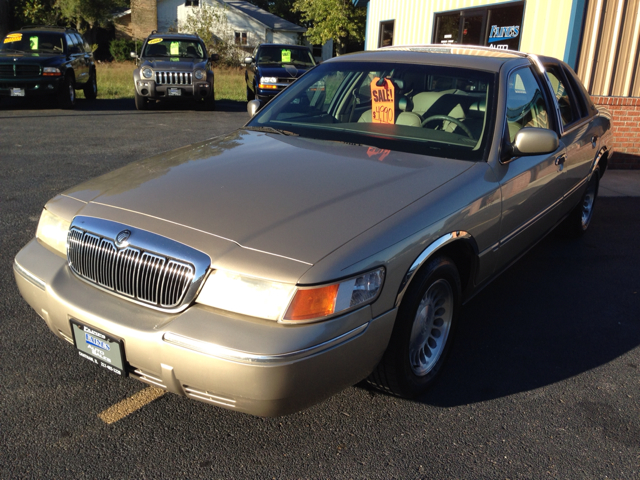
(84, 46)
(568, 111)
(72, 44)
(526, 106)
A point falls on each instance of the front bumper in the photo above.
(198, 91)
(253, 366)
(35, 86)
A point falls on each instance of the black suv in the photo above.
(273, 67)
(174, 67)
(47, 61)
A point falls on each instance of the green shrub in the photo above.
(121, 49)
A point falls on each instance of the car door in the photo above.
(76, 57)
(579, 132)
(85, 53)
(531, 186)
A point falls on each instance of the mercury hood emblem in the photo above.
(122, 239)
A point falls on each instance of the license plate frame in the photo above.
(174, 92)
(99, 347)
(17, 92)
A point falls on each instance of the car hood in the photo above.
(30, 58)
(164, 64)
(283, 72)
(287, 196)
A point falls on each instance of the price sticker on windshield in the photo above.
(383, 100)
(13, 37)
(175, 48)
(33, 43)
(286, 56)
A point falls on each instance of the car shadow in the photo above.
(565, 308)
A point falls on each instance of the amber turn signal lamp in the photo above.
(313, 303)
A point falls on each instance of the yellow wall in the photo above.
(544, 30)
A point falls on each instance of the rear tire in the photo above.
(423, 332)
(67, 96)
(91, 88)
(580, 217)
(141, 102)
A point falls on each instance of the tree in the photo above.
(336, 20)
(86, 14)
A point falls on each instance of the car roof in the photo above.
(46, 29)
(464, 56)
(285, 45)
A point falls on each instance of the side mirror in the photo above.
(532, 141)
(133, 55)
(248, 60)
(253, 106)
(215, 57)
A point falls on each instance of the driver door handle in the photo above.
(560, 161)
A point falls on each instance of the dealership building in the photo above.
(599, 39)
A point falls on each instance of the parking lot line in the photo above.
(130, 405)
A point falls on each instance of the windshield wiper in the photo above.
(272, 130)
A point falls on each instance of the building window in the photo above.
(386, 34)
(241, 38)
(496, 27)
(192, 3)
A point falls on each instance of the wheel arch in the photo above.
(459, 246)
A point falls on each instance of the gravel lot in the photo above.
(543, 381)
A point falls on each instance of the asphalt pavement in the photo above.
(543, 380)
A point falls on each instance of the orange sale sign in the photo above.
(383, 101)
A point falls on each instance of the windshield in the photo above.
(424, 109)
(32, 42)
(158, 47)
(285, 56)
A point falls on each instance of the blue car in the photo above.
(273, 67)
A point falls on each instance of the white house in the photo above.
(247, 24)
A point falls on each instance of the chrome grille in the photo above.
(173, 78)
(287, 80)
(132, 272)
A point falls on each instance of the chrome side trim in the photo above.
(233, 355)
(422, 258)
(28, 276)
(531, 221)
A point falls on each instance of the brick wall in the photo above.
(144, 17)
(626, 130)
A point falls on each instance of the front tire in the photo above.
(251, 95)
(423, 333)
(141, 102)
(67, 96)
(209, 103)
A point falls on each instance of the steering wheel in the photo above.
(458, 123)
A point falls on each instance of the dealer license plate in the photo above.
(175, 92)
(98, 347)
(17, 92)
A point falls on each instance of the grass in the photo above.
(115, 80)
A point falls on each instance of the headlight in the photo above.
(246, 295)
(200, 74)
(270, 300)
(147, 73)
(317, 303)
(268, 80)
(53, 231)
(51, 72)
